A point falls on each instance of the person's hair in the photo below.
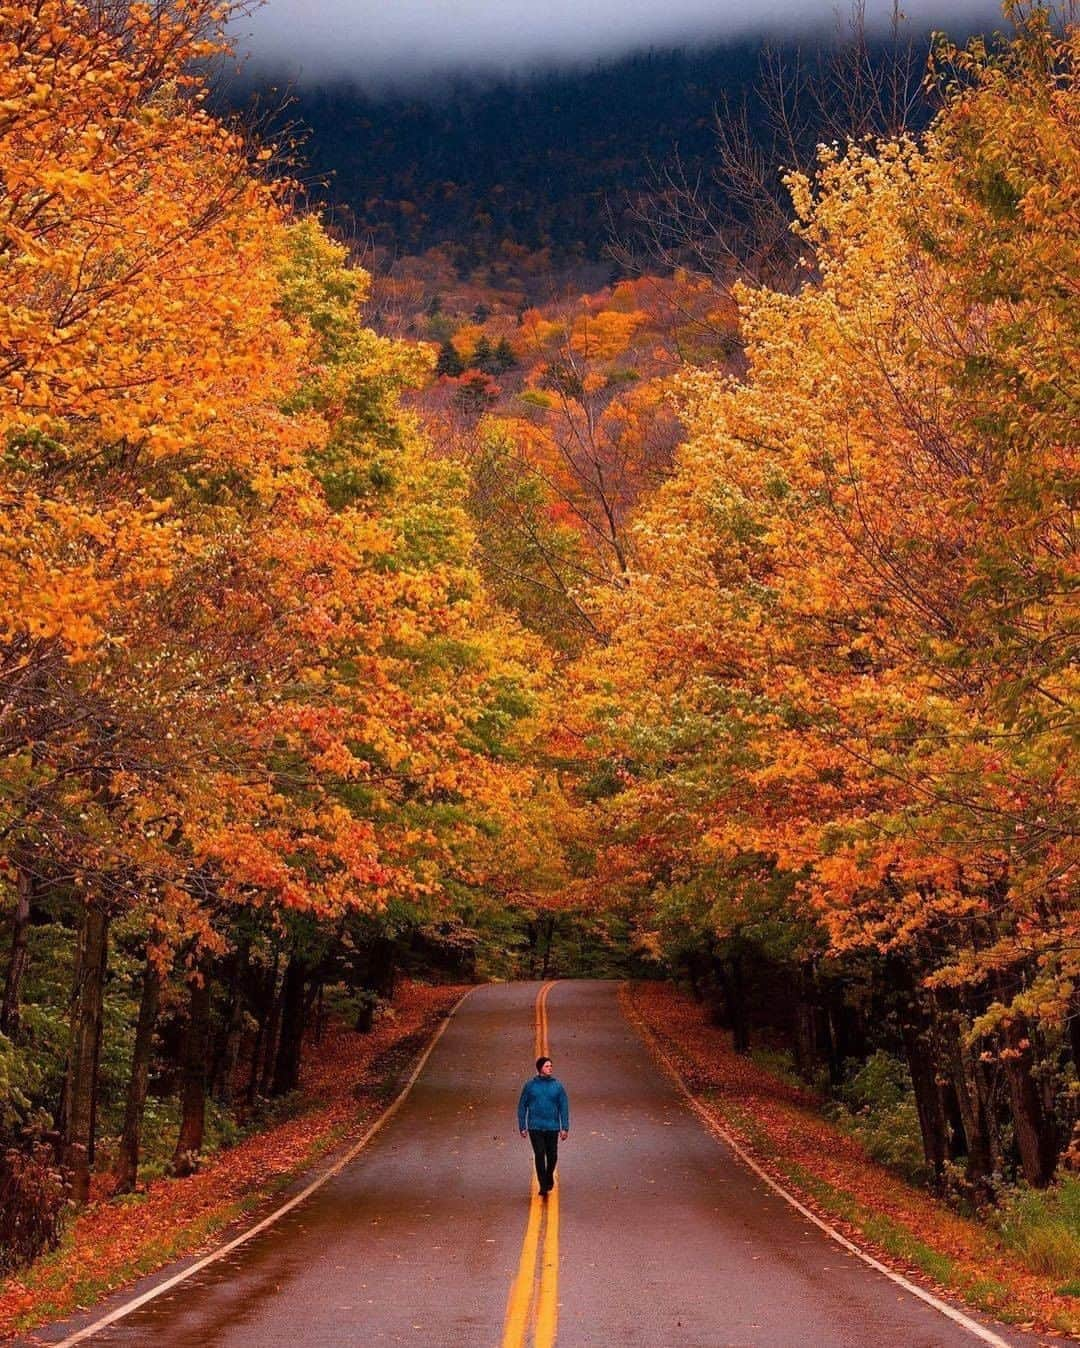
(540, 1062)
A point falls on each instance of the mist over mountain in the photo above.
(551, 160)
(410, 42)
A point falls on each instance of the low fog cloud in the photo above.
(380, 42)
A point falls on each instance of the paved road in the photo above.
(663, 1238)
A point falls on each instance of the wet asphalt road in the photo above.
(665, 1239)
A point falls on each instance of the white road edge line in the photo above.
(278, 1213)
(950, 1312)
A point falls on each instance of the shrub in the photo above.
(33, 1197)
(881, 1112)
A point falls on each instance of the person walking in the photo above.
(544, 1118)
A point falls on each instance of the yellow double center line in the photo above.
(532, 1305)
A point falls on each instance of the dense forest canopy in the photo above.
(548, 160)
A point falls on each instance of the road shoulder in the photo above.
(122, 1247)
(778, 1128)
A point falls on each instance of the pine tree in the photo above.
(504, 358)
(483, 357)
(449, 362)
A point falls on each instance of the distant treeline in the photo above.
(551, 160)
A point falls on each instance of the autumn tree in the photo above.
(252, 686)
(841, 675)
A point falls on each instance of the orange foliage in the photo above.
(843, 662)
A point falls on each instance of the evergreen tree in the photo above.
(449, 362)
(476, 395)
(504, 358)
(483, 357)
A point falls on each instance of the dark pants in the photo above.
(545, 1145)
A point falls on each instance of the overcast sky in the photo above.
(379, 41)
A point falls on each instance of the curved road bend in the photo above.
(431, 1236)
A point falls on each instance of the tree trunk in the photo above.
(9, 1012)
(127, 1165)
(692, 961)
(919, 1048)
(320, 1014)
(549, 937)
(1036, 1136)
(828, 1046)
(384, 957)
(265, 1011)
(730, 973)
(987, 1081)
(972, 1100)
(287, 1062)
(807, 1031)
(229, 1057)
(80, 1079)
(717, 1000)
(193, 1073)
(1074, 1030)
(364, 1021)
(273, 1035)
(716, 1003)
(846, 1036)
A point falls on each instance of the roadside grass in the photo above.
(1043, 1227)
(1020, 1265)
(879, 1230)
(778, 1063)
(62, 1288)
(987, 1294)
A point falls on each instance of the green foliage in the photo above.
(38, 1057)
(508, 705)
(476, 394)
(591, 944)
(17, 1075)
(616, 378)
(483, 357)
(879, 1108)
(605, 781)
(440, 327)
(432, 534)
(366, 372)
(778, 1063)
(357, 1007)
(161, 1120)
(120, 1010)
(533, 564)
(504, 357)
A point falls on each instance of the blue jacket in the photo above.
(544, 1105)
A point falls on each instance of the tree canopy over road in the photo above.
(721, 622)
